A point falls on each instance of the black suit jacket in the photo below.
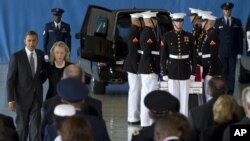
(145, 134)
(231, 38)
(8, 121)
(22, 87)
(201, 117)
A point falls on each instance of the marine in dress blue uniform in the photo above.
(148, 66)
(230, 34)
(178, 60)
(131, 66)
(56, 30)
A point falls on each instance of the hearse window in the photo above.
(101, 25)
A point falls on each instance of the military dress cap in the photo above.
(227, 6)
(194, 11)
(149, 14)
(201, 13)
(160, 102)
(63, 110)
(177, 16)
(72, 90)
(136, 15)
(208, 17)
(57, 11)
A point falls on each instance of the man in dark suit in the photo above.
(56, 30)
(201, 117)
(159, 106)
(91, 105)
(24, 87)
(230, 34)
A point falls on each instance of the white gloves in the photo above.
(248, 40)
(238, 56)
(192, 77)
(165, 78)
(46, 58)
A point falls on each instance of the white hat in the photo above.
(194, 11)
(200, 13)
(208, 17)
(148, 14)
(136, 15)
(63, 110)
(178, 16)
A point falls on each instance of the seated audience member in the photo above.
(61, 111)
(7, 133)
(91, 105)
(226, 111)
(160, 103)
(65, 89)
(245, 99)
(80, 130)
(201, 117)
(173, 127)
(59, 59)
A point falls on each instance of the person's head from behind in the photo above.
(245, 98)
(216, 86)
(226, 110)
(72, 91)
(59, 52)
(160, 103)
(135, 19)
(172, 125)
(73, 71)
(76, 128)
(31, 40)
(62, 111)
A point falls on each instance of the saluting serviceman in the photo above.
(178, 56)
(56, 30)
(230, 34)
(131, 66)
(149, 62)
(210, 47)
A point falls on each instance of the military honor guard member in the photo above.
(131, 66)
(210, 47)
(230, 34)
(56, 30)
(148, 66)
(178, 60)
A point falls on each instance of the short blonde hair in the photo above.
(226, 110)
(59, 44)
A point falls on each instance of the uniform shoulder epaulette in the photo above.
(136, 133)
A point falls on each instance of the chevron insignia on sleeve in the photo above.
(212, 43)
(149, 41)
(135, 40)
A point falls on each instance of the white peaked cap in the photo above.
(148, 14)
(63, 110)
(178, 15)
(195, 11)
(136, 15)
(200, 13)
(208, 17)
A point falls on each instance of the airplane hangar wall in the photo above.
(17, 17)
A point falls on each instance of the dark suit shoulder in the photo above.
(145, 134)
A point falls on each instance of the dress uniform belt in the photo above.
(206, 55)
(178, 56)
(199, 53)
(152, 52)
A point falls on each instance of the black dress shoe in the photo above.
(134, 123)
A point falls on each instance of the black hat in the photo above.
(160, 102)
(227, 6)
(57, 11)
(72, 90)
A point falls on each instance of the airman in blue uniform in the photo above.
(56, 30)
(230, 34)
